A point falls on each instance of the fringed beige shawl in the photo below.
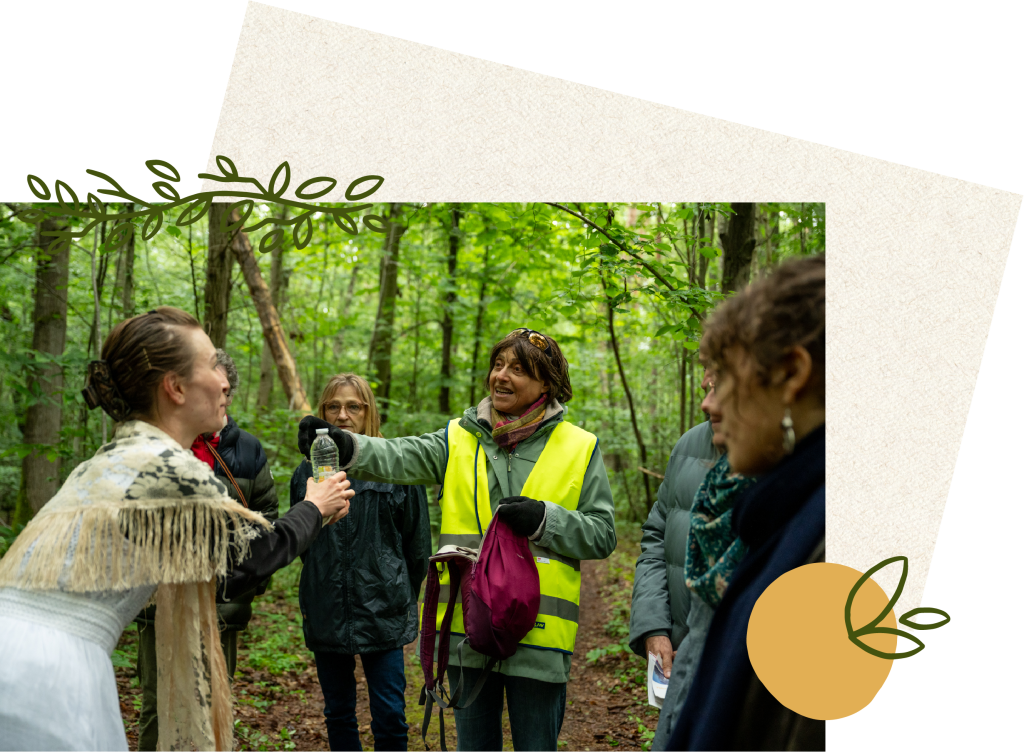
(143, 511)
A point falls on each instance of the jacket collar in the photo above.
(554, 412)
(229, 434)
(769, 504)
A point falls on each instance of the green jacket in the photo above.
(662, 604)
(587, 533)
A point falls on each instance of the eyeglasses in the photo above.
(537, 339)
(352, 408)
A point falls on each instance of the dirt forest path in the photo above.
(606, 707)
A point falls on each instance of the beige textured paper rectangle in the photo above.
(915, 259)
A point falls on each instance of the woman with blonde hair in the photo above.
(360, 584)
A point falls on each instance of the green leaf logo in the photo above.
(872, 627)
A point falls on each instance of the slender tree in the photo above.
(447, 322)
(278, 288)
(737, 247)
(610, 306)
(217, 293)
(382, 339)
(40, 475)
(269, 320)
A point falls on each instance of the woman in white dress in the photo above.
(142, 519)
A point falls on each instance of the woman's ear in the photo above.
(797, 368)
(172, 386)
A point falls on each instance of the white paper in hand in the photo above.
(657, 683)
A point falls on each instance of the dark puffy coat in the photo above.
(662, 604)
(244, 456)
(361, 578)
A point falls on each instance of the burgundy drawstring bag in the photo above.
(500, 591)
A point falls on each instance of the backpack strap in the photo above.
(224, 467)
(433, 686)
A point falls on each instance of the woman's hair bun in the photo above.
(101, 391)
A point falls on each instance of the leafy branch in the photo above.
(93, 210)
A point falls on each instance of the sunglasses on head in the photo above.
(537, 339)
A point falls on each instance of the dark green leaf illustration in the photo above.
(69, 203)
(118, 236)
(905, 620)
(303, 231)
(350, 192)
(152, 225)
(280, 179)
(163, 169)
(303, 190)
(166, 190)
(38, 188)
(375, 223)
(196, 210)
(872, 627)
(191, 209)
(272, 241)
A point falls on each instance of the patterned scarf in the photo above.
(712, 549)
(509, 430)
(145, 512)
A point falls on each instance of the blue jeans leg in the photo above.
(478, 727)
(336, 673)
(535, 712)
(385, 680)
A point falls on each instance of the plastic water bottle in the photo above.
(324, 456)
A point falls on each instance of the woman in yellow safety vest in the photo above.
(515, 449)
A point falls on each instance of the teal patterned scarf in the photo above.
(712, 550)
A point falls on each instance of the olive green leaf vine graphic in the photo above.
(872, 627)
(196, 206)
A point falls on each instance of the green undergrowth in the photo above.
(628, 683)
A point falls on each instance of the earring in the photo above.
(788, 435)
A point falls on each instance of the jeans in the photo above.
(145, 668)
(385, 680)
(535, 711)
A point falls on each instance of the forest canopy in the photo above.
(623, 288)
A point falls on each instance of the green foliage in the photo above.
(555, 268)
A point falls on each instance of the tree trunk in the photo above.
(339, 340)
(478, 328)
(682, 392)
(217, 295)
(447, 323)
(702, 260)
(126, 274)
(278, 282)
(40, 476)
(738, 247)
(382, 338)
(629, 395)
(272, 332)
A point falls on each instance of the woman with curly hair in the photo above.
(766, 348)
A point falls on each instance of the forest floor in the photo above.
(279, 705)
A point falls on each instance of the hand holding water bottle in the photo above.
(331, 496)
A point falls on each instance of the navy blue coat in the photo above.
(782, 519)
(361, 577)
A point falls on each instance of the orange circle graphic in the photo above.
(799, 647)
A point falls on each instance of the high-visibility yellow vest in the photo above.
(466, 513)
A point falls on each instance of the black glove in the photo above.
(344, 440)
(522, 514)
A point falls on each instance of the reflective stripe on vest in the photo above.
(466, 512)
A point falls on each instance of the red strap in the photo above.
(429, 631)
(428, 626)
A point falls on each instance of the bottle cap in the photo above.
(321, 431)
